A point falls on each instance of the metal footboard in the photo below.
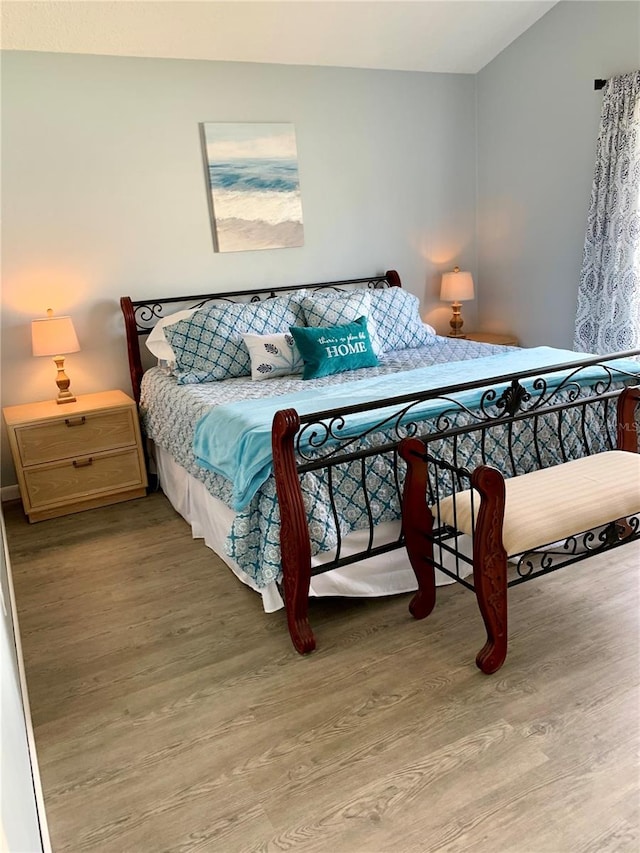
(333, 477)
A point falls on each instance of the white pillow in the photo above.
(273, 355)
(157, 343)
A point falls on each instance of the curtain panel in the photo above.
(608, 312)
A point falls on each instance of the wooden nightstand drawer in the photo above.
(75, 435)
(76, 456)
(82, 478)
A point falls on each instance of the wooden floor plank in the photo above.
(172, 714)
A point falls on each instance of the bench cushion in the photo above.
(548, 505)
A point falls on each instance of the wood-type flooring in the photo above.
(172, 714)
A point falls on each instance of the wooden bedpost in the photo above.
(133, 346)
(490, 566)
(627, 425)
(393, 278)
(417, 523)
(295, 546)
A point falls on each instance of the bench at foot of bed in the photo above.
(588, 504)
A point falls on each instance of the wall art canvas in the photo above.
(254, 191)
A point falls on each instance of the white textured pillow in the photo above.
(341, 308)
(273, 355)
(157, 343)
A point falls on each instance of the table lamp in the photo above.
(456, 287)
(52, 336)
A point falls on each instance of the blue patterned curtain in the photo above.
(608, 315)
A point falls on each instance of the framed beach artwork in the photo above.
(254, 191)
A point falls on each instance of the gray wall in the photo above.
(103, 191)
(538, 117)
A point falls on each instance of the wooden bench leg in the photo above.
(490, 567)
(627, 427)
(417, 523)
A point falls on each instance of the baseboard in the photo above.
(9, 493)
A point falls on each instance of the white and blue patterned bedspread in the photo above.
(170, 413)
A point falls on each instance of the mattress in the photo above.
(248, 540)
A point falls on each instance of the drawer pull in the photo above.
(83, 463)
(71, 422)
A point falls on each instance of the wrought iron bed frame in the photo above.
(315, 442)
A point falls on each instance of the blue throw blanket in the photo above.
(234, 440)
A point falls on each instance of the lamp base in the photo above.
(456, 322)
(65, 397)
(63, 382)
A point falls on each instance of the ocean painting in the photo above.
(254, 195)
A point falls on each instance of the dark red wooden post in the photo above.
(393, 278)
(417, 523)
(133, 346)
(627, 426)
(295, 546)
(490, 566)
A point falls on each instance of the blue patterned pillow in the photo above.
(336, 309)
(328, 350)
(208, 345)
(396, 314)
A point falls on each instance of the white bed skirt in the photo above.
(211, 520)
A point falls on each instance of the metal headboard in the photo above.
(141, 315)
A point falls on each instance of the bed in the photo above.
(321, 516)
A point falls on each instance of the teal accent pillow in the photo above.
(336, 309)
(334, 349)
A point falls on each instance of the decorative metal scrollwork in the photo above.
(634, 524)
(574, 548)
(512, 398)
(148, 314)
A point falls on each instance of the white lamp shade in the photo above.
(457, 286)
(53, 336)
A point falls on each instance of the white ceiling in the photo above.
(454, 36)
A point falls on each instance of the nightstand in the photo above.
(492, 338)
(76, 456)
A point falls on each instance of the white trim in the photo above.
(35, 770)
(10, 493)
